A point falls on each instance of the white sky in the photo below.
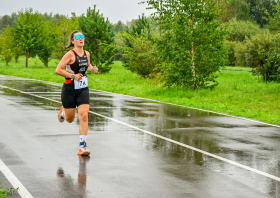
(115, 10)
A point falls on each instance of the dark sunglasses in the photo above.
(78, 36)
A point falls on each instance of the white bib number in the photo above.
(81, 84)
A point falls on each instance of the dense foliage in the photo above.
(99, 40)
(140, 54)
(5, 45)
(262, 55)
(184, 43)
(136, 45)
(28, 32)
(191, 45)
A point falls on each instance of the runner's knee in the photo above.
(70, 120)
(84, 117)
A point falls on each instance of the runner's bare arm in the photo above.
(68, 58)
(91, 68)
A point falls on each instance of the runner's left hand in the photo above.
(94, 69)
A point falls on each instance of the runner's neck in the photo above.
(79, 51)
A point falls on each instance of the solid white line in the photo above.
(22, 191)
(224, 114)
(41, 92)
(173, 141)
(192, 148)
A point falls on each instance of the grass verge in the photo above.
(239, 93)
(5, 192)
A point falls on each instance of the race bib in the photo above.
(81, 84)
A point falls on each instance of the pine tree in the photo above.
(135, 30)
(99, 39)
(119, 27)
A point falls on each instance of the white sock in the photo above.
(83, 138)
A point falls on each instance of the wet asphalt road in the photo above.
(127, 161)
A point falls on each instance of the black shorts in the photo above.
(72, 98)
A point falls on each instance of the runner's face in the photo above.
(78, 42)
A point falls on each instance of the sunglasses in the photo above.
(78, 36)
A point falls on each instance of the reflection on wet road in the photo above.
(67, 185)
(126, 162)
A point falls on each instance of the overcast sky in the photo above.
(115, 10)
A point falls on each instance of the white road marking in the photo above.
(58, 92)
(22, 191)
(170, 140)
(224, 114)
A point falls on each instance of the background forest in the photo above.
(184, 43)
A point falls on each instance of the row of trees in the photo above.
(43, 35)
(192, 41)
(253, 10)
(184, 43)
(239, 9)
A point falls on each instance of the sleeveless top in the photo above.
(80, 65)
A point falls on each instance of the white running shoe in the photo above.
(60, 115)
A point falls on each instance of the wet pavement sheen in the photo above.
(126, 162)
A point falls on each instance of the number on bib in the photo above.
(83, 83)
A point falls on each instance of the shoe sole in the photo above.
(86, 153)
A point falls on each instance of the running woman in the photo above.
(75, 92)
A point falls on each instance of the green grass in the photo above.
(5, 192)
(239, 93)
(236, 68)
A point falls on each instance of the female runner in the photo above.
(75, 92)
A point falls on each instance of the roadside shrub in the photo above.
(238, 30)
(239, 54)
(7, 53)
(140, 56)
(274, 59)
(231, 54)
(135, 29)
(261, 55)
(6, 45)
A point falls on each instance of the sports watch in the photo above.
(72, 76)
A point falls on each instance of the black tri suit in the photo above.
(76, 93)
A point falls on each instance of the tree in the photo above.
(274, 19)
(49, 41)
(7, 20)
(258, 52)
(140, 58)
(258, 10)
(28, 32)
(274, 60)
(64, 26)
(6, 45)
(239, 30)
(119, 27)
(136, 28)
(99, 39)
(238, 9)
(192, 38)
(10, 48)
(140, 24)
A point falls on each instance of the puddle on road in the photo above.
(235, 139)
